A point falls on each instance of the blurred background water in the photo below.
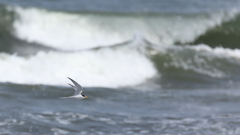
(149, 67)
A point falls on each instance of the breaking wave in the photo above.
(113, 49)
(76, 31)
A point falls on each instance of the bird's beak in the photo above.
(86, 96)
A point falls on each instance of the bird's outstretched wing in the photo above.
(77, 87)
(72, 86)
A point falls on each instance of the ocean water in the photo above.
(148, 67)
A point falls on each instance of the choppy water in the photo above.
(38, 110)
(148, 67)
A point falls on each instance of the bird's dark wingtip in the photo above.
(72, 80)
(69, 78)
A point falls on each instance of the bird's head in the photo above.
(85, 96)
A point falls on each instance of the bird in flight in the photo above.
(78, 90)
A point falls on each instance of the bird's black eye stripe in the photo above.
(83, 95)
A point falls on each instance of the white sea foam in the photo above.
(58, 131)
(105, 67)
(63, 30)
(220, 51)
(6, 122)
(70, 31)
(64, 118)
(200, 125)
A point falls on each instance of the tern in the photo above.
(78, 90)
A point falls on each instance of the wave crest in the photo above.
(76, 31)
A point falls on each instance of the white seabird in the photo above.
(78, 90)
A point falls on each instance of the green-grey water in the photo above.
(153, 68)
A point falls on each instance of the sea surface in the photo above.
(152, 67)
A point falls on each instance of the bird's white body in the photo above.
(78, 91)
(77, 97)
